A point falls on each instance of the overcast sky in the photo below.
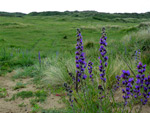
(111, 6)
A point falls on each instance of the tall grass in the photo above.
(140, 41)
(13, 58)
(56, 73)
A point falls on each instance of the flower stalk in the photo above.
(103, 58)
(80, 60)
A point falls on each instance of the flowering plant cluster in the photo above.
(142, 87)
(128, 82)
(134, 87)
(79, 79)
(138, 88)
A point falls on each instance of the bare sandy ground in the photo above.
(52, 101)
(13, 105)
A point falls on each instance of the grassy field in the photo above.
(54, 35)
(22, 38)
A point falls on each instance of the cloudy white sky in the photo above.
(111, 6)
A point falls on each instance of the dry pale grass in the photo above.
(100, 26)
(140, 35)
(56, 73)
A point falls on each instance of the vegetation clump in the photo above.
(19, 85)
(91, 94)
(3, 92)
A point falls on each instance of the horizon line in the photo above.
(74, 11)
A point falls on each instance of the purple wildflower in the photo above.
(127, 82)
(84, 76)
(103, 58)
(90, 69)
(142, 84)
(39, 56)
(80, 59)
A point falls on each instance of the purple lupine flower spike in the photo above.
(39, 56)
(103, 58)
(90, 69)
(127, 82)
(142, 84)
(80, 60)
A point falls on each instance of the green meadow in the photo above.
(22, 38)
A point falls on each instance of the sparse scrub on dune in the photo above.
(26, 72)
(140, 41)
(144, 25)
(139, 27)
(99, 26)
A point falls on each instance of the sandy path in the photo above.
(12, 106)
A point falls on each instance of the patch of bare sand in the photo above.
(52, 102)
(118, 98)
(13, 106)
